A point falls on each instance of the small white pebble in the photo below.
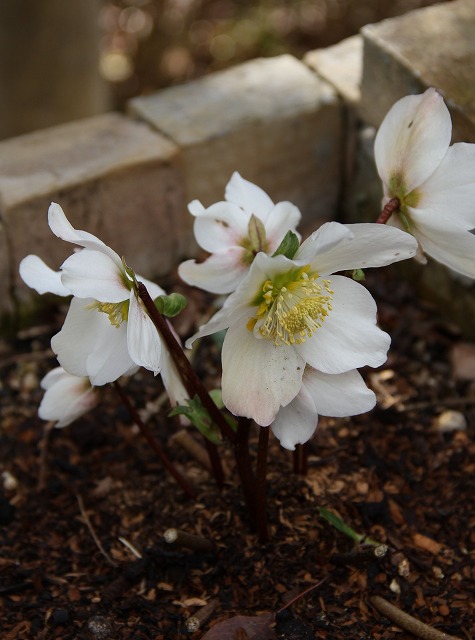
(394, 586)
(10, 483)
(451, 420)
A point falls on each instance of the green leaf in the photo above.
(339, 524)
(170, 306)
(288, 247)
(257, 234)
(358, 275)
(199, 417)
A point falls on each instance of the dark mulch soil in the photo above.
(391, 474)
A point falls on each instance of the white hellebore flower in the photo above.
(434, 182)
(67, 397)
(290, 313)
(107, 332)
(234, 232)
(337, 395)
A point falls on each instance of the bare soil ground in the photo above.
(393, 474)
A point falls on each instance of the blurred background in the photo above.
(61, 61)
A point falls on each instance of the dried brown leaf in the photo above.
(244, 627)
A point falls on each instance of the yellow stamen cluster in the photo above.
(117, 311)
(291, 312)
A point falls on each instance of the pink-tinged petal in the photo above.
(340, 395)
(323, 240)
(220, 273)
(37, 275)
(449, 193)
(371, 245)
(348, 337)
(67, 399)
(258, 377)
(284, 217)
(221, 225)
(62, 228)
(413, 139)
(143, 341)
(90, 274)
(248, 196)
(296, 422)
(447, 243)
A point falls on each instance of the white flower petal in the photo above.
(296, 422)
(220, 273)
(221, 225)
(62, 228)
(78, 336)
(284, 217)
(196, 208)
(89, 346)
(258, 377)
(449, 193)
(324, 239)
(370, 245)
(37, 275)
(451, 245)
(110, 358)
(248, 196)
(348, 337)
(413, 139)
(154, 290)
(340, 395)
(176, 392)
(67, 399)
(143, 341)
(90, 274)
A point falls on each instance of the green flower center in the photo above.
(398, 189)
(292, 307)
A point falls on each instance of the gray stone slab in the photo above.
(113, 177)
(341, 65)
(270, 119)
(430, 47)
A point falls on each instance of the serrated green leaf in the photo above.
(257, 234)
(358, 275)
(288, 247)
(199, 417)
(341, 525)
(170, 306)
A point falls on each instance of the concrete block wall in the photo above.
(302, 130)
(129, 178)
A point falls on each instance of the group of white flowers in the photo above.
(296, 331)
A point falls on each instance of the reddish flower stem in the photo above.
(300, 456)
(389, 208)
(153, 444)
(261, 499)
(191, 381)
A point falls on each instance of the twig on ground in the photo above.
(187, 540)
(197, 620)
(360, 556)
(408, 622)
(88, 524)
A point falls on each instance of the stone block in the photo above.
(341, 65)
(113, 177)
(270, 119)
(430, 47)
